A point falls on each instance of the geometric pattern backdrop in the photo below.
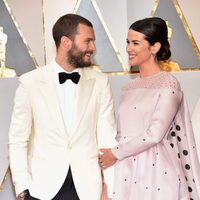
(182, 50)
(110, 63)
(28, 27)
(17, 54)
(109, 19)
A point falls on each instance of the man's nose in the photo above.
(92, 46)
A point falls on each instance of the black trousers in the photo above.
(66, 192)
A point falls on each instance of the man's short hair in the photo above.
(67, 26)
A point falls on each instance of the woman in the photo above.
(156, 155)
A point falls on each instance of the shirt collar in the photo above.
(58, 68)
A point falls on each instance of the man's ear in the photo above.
(66, 43)
(155, 48)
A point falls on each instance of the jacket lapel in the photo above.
(50, 94)
(84, 91)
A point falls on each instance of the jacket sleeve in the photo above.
(20, 130)
(106, 130)
(165, 110)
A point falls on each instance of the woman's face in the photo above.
(138, 49)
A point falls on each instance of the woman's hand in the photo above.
(106, 158)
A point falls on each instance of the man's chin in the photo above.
(88, 64)
(84, 64)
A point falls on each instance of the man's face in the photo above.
(82, 47)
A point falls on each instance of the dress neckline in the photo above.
(151, 76)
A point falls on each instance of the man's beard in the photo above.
(76, 57)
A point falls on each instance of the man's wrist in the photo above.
(23, 194)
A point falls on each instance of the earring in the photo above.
(154, 55)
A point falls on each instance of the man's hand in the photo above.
(106, 158)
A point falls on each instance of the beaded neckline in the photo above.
(159, 80)
(152, 76)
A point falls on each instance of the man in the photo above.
(63, 115)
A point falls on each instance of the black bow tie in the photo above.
(75, 76)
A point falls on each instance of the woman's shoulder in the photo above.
(170, 81)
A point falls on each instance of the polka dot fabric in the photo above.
(156, 152)
(181, 138)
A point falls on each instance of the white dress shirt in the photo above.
(67, 97)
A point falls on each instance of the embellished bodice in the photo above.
(160, 80)
(139, 99)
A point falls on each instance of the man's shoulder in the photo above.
(35, 73)
(32, 77)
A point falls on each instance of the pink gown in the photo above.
(157, 158)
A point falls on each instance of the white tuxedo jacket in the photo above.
(40, 148)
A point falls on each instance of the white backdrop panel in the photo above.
(52, 11)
